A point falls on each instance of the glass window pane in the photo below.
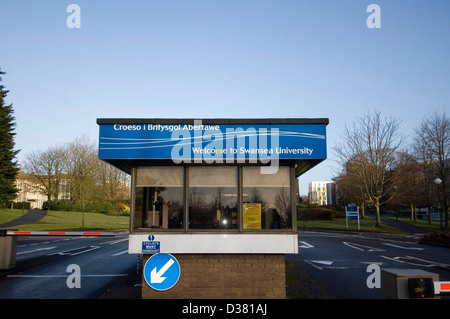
(252, 177)
(157, 176)
(213, 197)
(213, 176)
(159, 198)
(266, 199)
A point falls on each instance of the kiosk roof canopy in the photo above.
(209, 121)
(132, 142)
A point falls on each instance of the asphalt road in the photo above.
(86, 267)
(30, 217)
(67, 267)
(341, 262)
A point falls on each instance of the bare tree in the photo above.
(350, 187)
(283, 205)
(410, 187)
(81, 163)
(74, 169)
(426, 169)
(47, 167)
(372, 143)
(112, 182)
(432, 139)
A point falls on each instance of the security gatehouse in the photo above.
(217, 194)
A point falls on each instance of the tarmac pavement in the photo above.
(131, 286)
(299, 285)
(412, 229)
(31, 217)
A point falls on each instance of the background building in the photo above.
(30, 191)
(321, 193)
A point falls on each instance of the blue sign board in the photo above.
(151, 247)
(162, 271)
(212, 142)
(352, 213)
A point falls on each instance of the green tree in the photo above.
(8, 165)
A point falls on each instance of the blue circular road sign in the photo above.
(162, 271)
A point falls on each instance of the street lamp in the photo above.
(438, 181)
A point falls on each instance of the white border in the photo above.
(218, 243)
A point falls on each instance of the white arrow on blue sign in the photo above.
(162, 271)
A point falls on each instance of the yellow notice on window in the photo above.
(252, 216)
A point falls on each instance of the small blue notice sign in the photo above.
(151, 246)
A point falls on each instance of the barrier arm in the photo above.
(8, 242)
(58, 233)
(441, 287)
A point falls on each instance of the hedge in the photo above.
(21, 205)
(90, 206)
(318, 214)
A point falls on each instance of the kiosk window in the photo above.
(213, 196)
(159, 198)
(266, 199)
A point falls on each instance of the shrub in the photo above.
(21, 205)
(314, 214)
(50, 205)
(94, 206)
(436, 236)
(90, 206)
(121, 209)
(65, 205)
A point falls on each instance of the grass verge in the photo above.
(72, 220)
(59, 220)
(367, 224)
(433, 227)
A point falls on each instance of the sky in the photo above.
(221, 59)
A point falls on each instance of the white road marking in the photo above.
(305, 245)
(120, 253)
(361, 247)
(32, 251)
(402, 247)
(114, 241)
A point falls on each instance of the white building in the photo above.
(30, 190)
(321, 192)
